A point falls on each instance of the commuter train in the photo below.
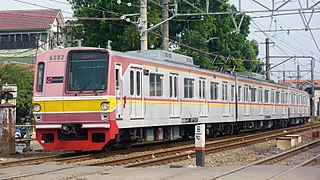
(94, 98)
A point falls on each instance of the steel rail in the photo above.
(295, 167)
(272, 159)
(36, 160)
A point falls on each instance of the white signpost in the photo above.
(200, 142)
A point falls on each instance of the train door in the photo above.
(119, 92)
(202, 97)
(136, 93)
(225, 99)
(174, 96)
(246, 100)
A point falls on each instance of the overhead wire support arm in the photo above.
(160, 23)
(192, 5)
(314, 5)
(282, 5)
(280, 63)
(159, 5)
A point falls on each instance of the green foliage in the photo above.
(215, 34)
(22, 76)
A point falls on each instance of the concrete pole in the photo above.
(165, 26)
(312, 91)
(143, 21)
(267, 60)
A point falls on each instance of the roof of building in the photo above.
(28, 19)
(293, 81)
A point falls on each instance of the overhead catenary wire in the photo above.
(37, 5)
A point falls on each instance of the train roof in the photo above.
(165, 57)
(174, 59)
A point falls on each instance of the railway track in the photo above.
(162, 157)
(36, 160)
(277, 158)
(182, 153)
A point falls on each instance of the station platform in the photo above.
(58, 171)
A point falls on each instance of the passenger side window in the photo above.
(188, 88)
(214, 91)
(156, 84)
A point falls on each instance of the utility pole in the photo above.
(165, 26)
(312, 90)
(284, 76)
(267, 60)
(143, 25)
(298, 76)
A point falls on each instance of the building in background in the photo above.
(24, 33)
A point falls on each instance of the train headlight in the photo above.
(104, 106)
(37, 107)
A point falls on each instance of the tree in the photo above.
(22, 76)
(215, 34)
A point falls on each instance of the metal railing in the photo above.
(26, 137)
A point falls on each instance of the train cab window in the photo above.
(87, 71)
(156, 84)
(40, 77)
(188, 88)
(214, 91)
(266, 96)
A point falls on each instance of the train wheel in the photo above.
(127, 144)
(108, 147)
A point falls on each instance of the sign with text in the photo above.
(200, 135)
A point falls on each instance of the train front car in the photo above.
(73, 99)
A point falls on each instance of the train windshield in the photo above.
(88, 71)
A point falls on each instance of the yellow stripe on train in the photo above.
(81, 105)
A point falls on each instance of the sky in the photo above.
(284, 43)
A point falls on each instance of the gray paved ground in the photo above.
(57, 171)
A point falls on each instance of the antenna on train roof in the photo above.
(109, 44)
